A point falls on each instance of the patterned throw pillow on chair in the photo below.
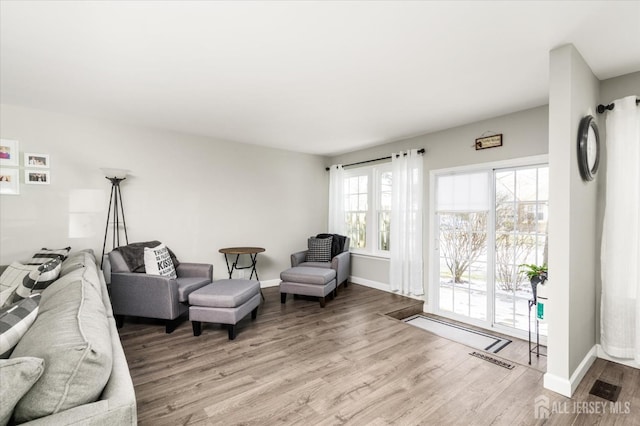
(157, 261)
(319, 249)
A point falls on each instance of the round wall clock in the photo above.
(588, 148)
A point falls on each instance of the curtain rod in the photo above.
(420, 151)
(602, 108)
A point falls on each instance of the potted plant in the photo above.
(537, 275)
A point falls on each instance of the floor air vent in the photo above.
(605, 390)
(493, 360)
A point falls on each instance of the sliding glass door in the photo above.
(488, 223)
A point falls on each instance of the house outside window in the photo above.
(367, 192)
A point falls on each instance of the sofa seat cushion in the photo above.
(225, 293)
(308, 275)
(188, 285)
(315, 264)
(71, 334)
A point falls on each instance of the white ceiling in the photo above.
(316, 77)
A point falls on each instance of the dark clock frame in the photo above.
(587, 122)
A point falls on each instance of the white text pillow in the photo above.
(157, 261)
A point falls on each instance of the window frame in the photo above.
(374, 207)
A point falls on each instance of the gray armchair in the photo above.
(153, 296)
(341, 263)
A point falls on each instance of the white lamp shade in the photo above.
(114, 173)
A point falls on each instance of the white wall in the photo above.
(573, 253)
(194, 193)
(525, 133)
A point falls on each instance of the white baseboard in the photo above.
(567, 387)
(269, 283)
(369, 283)
(628, 362)
(378, 286)
(557, 384)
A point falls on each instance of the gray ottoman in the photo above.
(307, 281)
(224, 302)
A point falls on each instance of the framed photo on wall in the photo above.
(9, 181)
(36, 160)
(8, 152)
(37, 177)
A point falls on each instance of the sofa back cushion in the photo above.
(72, 335)
(77, 260)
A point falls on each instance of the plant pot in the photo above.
(534, 286)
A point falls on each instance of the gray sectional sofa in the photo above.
(74, 347)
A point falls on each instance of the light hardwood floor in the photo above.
(349, 363)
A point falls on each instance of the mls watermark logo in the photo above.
(541, 409)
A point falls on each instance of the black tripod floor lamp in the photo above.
(115, 176)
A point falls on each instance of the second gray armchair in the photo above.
(340, 262)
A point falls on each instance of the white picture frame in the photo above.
(9, 152)
(37, 177)
(9, 181)
(36, 160)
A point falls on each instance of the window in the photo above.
(384, 210)
(356, 190)
(367, 192)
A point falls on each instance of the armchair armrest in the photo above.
(143, 295)
(298, 257)
(195, 270)
(341, 263)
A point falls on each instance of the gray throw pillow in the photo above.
(319, 249)
(17, 376)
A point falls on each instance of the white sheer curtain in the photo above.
(620, 254)
(337, 219)
(405, 269)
